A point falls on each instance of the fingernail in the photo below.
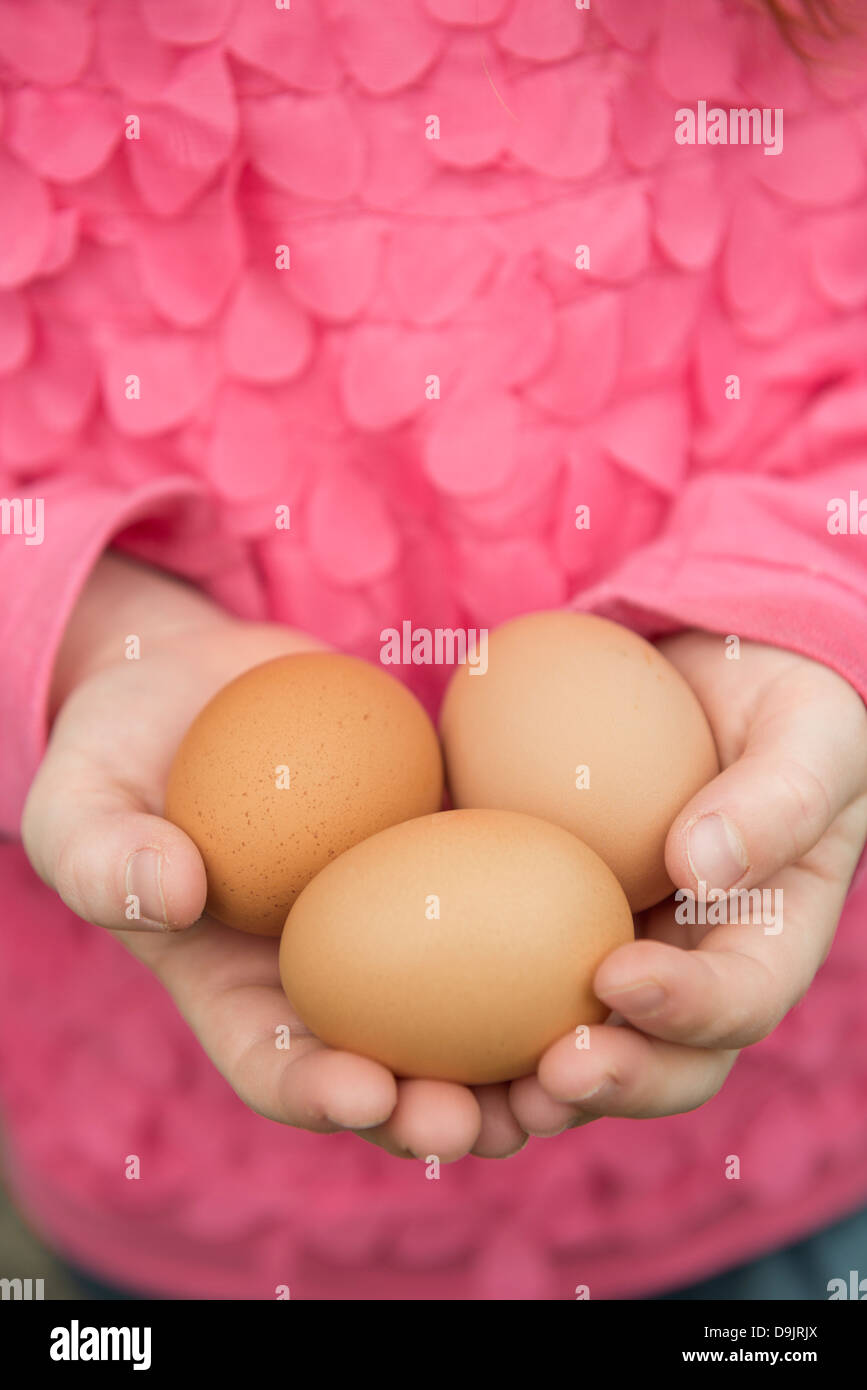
(639, 1000)
(715, 851)
(596, 1090)
(523, 1144)
(144, 879)
(353, 1124)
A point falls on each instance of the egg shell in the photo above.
(475, 994)
(565, 691)
(361, 755)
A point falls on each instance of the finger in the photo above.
(744, 976)
(325, 1090)
(538, 1113)
(723, 994)
(224, 984)
(625, 1073)
(500, 1135)
(798, 771)
(111, 862)
(432, 1120)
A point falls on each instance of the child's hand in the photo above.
(97, 801)
(792, 738)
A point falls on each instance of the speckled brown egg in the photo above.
(584, 723)
(457, 946)
(288, 766)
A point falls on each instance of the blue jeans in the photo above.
(800, 1271)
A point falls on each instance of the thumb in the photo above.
(110, 860)
(799, 769)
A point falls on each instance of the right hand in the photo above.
(93, 830)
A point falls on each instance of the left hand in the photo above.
(792, 740)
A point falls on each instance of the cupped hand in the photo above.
(93, 830)
(787, 813)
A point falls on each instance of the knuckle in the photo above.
(805, 804)
(745, 1003)
(747, 1027)
(31, 830)
(752, 1027)
(713, 1084)
(67, 875)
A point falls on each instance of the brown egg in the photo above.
(458, 946)
(289, 765)
(580, 721)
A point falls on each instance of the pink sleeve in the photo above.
(168, 522)
(753, 556)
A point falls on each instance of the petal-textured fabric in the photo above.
(26, 225)
(64, 134)
(438, 277)
(16, 330)
(266, 337)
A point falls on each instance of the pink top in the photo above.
(308, 128)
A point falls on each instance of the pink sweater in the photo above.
(608, 385)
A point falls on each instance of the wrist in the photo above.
(124, 599)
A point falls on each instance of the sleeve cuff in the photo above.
(783, 606)
(41, 584)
